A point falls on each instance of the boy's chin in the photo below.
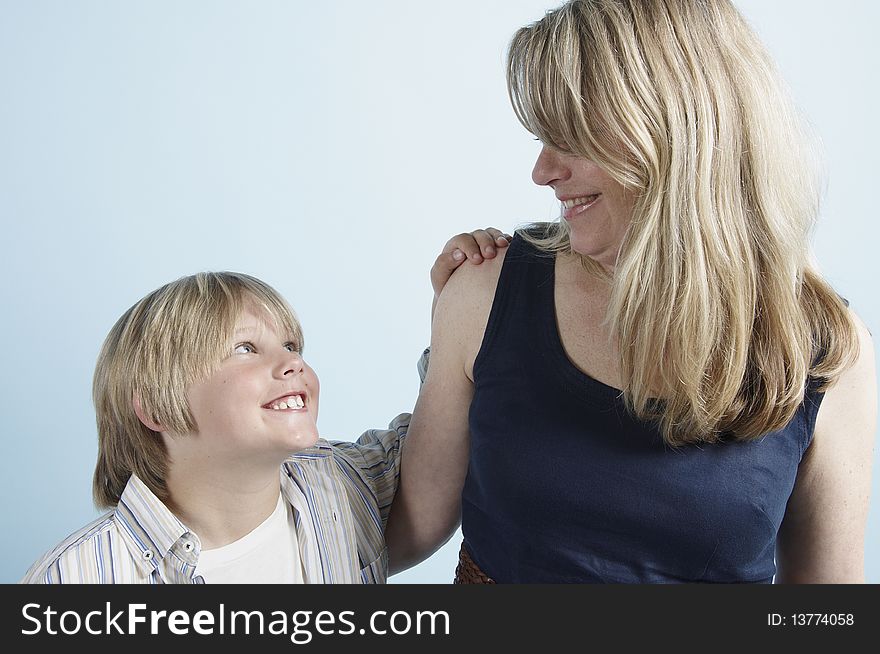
(304, 441)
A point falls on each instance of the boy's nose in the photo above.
(293, 364)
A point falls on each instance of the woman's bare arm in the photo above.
(427, 508)
(822, 538)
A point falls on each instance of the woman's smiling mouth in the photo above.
(576, 206)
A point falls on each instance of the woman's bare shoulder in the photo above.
(856, 388)
(463, 308)
(471, 288)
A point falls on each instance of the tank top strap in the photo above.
(523, 300)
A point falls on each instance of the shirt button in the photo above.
(148, 555)
(188, 546)
(335, 517)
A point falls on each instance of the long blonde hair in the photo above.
(715, 301)
(175, 336)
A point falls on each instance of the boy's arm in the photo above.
(377, 452)
(376, 455)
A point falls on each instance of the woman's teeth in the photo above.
(292, 402)
(571, 204)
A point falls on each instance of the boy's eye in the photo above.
(245, 348)
(291, 347)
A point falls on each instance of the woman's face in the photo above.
(598, 209)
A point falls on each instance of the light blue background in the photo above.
(328, 148)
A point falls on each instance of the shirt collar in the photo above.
(153, 529)
(321, 449)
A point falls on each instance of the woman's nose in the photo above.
(549, 168)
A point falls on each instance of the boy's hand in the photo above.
(474, 247)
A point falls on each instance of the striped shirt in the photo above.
(340, 492)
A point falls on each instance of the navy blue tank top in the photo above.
(564, 485)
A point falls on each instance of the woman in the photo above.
(660, 387)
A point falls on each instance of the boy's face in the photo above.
(262, 402)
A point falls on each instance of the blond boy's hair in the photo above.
(175, 336)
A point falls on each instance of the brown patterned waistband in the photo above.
(467, 572)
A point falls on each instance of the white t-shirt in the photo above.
(267, 555)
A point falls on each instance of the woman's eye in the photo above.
(245, 348)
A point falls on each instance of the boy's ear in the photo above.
(148, 421)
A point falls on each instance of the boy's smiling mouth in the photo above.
(290, 401)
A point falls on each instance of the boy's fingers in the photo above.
(485, 242)
(468, 244)
(443, 268)
(489, 240)
(474, 247)
(501, 239)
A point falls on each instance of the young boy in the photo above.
(201, 395)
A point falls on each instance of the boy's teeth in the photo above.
(294, 402)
